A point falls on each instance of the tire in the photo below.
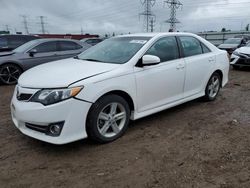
(213, 87)
(108, 119)
(236, 67)
(9, 74)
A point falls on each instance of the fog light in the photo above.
(55, 129)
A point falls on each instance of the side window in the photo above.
(205, 49)
(68, 45)
(3, 42)
(46, 47)
(191, 46)
(166, 49)
(16, 41)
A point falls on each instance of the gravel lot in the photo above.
(194, 145)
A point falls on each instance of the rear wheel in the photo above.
(108, 119)
(9, 74)
(213, 87)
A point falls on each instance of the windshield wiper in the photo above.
(92, 60)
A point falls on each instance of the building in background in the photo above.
(68, 36)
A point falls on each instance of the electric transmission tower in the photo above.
(149, 16)
(173, 5)
(42, 24)
(25, 24)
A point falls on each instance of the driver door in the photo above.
(46, 52)
(161, 84)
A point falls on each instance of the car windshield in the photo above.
(3, 42)
(233, 41)
(115, 50)
(248, 44)
(23, 48)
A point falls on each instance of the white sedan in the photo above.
(241, 57)
(124, 78)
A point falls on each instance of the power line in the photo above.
(173, 5)
(25, 24)
(147, 13)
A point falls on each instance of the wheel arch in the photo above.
(124, 95)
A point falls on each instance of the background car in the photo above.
(241, 57)
(91, 41)
(11, 42)
(232, 44)
(34, 53)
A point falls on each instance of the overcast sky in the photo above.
(120, 16)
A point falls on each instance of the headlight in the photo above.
(236, 53)
(47, 96)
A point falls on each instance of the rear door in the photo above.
(199, 62)
(161, 84)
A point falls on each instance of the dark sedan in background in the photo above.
(11, 42)
(34, 53)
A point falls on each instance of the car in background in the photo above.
(91, 41)
(36, 52)
(123, 78)
(232, 44)
(11, 42)
(241, 57)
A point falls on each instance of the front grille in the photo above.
(39, 128)
(24, 97)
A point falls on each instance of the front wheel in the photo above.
(108, 119)
(213, 87)
(9, 74)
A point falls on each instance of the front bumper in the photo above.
(72, 112)
(240, 61)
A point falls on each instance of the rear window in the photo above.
(68, 45)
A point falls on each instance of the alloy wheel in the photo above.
(111, 120)
(9, 74)
(214, 86)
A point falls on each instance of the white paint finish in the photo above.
(152, 88)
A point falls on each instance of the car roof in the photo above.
(55, 39)
(157, 34)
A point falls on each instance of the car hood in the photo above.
(62, 73)
(244, 50)
(228, 46)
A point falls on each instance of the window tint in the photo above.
(3, 42)
(205, 49)
(68, 45)
(166, 49)
(15, 41)
(191, 46)
(46, 47)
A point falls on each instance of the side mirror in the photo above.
(148, 60)
(32, 52)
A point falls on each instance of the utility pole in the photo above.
(147, 13)
(173, 5)
(152, 24)
(25, 24)
(42, 24)
(81, 31)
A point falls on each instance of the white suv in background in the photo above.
(123, 78)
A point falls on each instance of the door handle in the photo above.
(180, 66)
(211, 60)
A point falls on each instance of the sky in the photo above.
(120, 16)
